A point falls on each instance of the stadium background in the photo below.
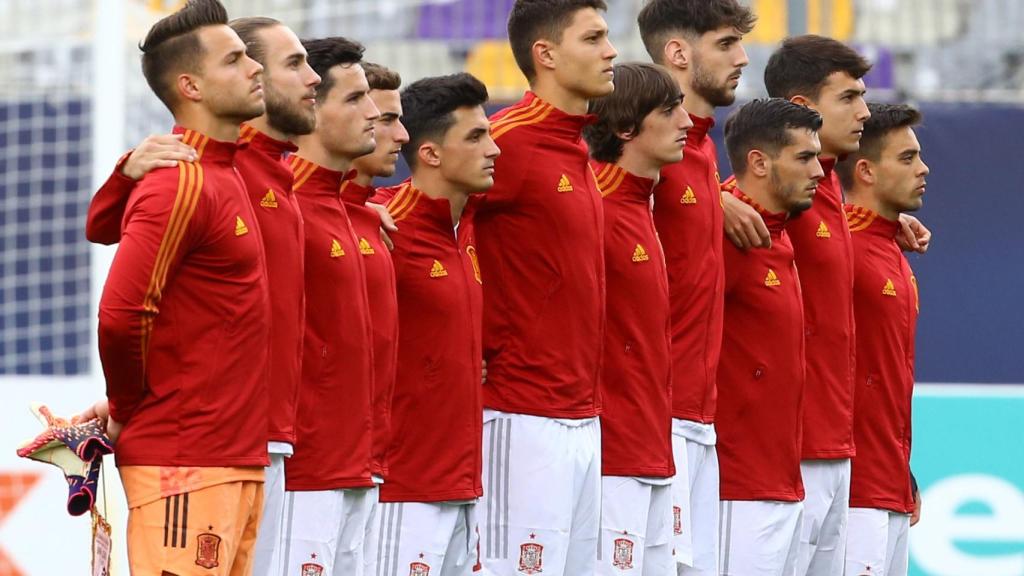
(72, 99)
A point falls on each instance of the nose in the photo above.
(862, 112)
(924, 169)
(687, 123)
(313, 79)
(610, 53)
(743, 59)
(257, 68)
(371, 112)
(402, 135)
(493, 151)
(818, 173)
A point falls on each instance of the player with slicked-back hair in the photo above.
(429, 500)
(189, 278)
(773, 146)
(700, 43)
(540, 232)
(883, 179)
(827, 76)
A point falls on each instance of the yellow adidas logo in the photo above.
(269, 200)
(336, 249)
(772, 279)
(639, 254)
(564, 185)
(823, 231)
(688, 197)
(438, 270)
(240, 227)
(889, 289)
(365, 248)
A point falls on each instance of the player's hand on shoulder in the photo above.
(483, 372)
(743, 225)
(914, 236)
(157, 151)
(387, 224)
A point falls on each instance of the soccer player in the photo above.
(289, 85)
(883, 179)
(331, 496)
(540, 233)
(428, 513)
(700, 43)
(641, 127)
(773, 147)
(184, 316)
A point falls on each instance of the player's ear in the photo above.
(802, 100)
(864, 171)
(626, 136)
(758, 163)
(429, 154)
(188, 87)
(678, 53)
(543, 56)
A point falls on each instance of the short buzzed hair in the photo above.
(428, 104)
(802, 65)
(381, 78)
(326, 53)
(172, 46)
(533, 20)
(639, 90)
(660, 19)
(885, 119)
(764, 125)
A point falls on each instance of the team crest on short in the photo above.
(622, 558)
(419, 569)
(531, 558)
(312, 569)
(208, 550)
(677, 520)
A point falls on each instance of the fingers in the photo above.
(157, 151)
(386, 239)
(386, 221)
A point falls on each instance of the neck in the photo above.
(263, 125)
(549, 91)
(363, 179)
(202, 121)
(759, 190)
(433, 185)
(866, 198)
(312, 148)
(638, 164)
(695, 104)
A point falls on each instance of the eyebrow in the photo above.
(238, 53)
(854, 92)
(477, 132)
(388, 115)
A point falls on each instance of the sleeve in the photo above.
(106, 210)
(160, 227)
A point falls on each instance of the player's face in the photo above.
(468, 151)
(230, 82)
(718, 62)
(900, 172)
(663, 134)
(389, 133)
(346, 115)
(843, 111)
(289, 83)
(796, 171)
(583, 59)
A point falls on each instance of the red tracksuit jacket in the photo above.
(540, 232)
(268, 182)
(824, 255)
(437, 411)
(761, 375)
(636, 389)
(886, 305)
(688, 216)
(380, 289)
(334, 429)
(184, 318)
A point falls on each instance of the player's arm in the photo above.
(743, 225)
(106, 210)
(914, 236)
(159, 227)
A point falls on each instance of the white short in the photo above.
(877, 543)
(826, 506)
(427, 538)
(636, 527)
(695, 498)
(760, 537)
(542, 494)
(267, 552)
(325, 532)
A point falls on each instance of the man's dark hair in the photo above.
(248, 30)
(533, 20)
(639, 90)
(764, 125)
(885, 119)
(381, 78)
(428, 104)
(326, 53)
(172, 46)
(659, 20)
(802, 65)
